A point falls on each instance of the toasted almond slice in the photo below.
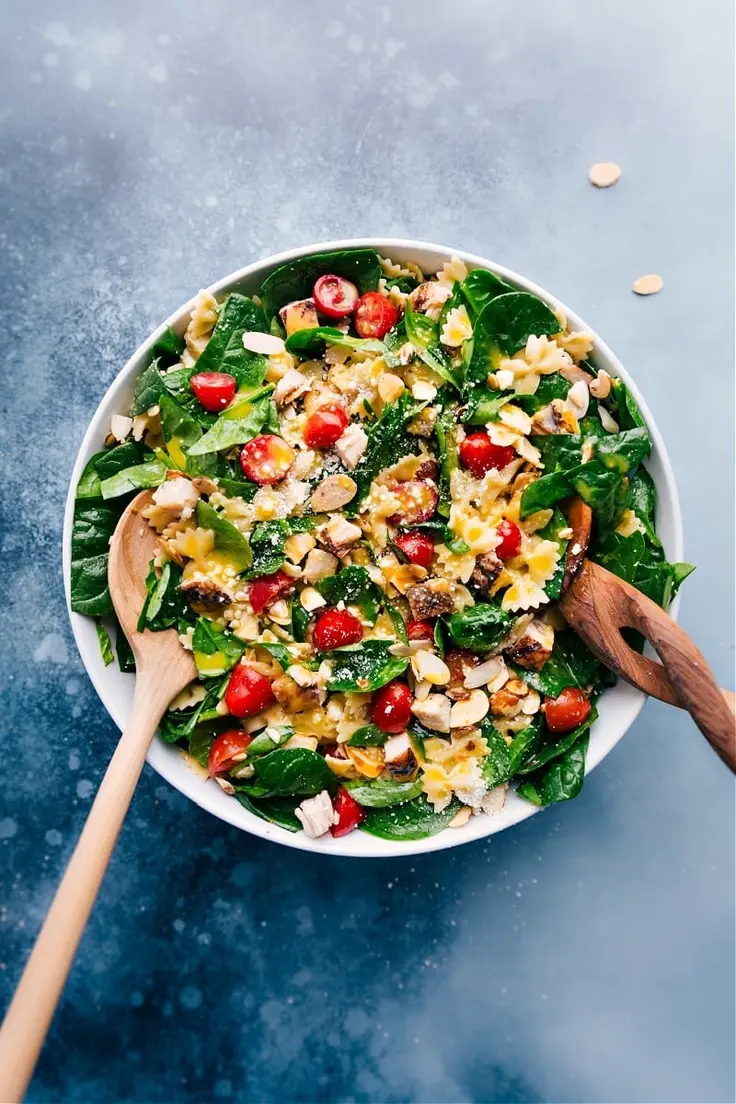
(263, 343)
(604, 173)
(461, 817)
(428, 667)
(333, 493)
(648, 285)
(470, 710)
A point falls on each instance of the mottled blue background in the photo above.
(148, 149)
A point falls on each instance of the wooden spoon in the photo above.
(597, 605)
(163, 668)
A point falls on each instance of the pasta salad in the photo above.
(359, 479)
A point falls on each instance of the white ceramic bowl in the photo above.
(618, 708)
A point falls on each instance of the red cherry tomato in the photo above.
(417, 547)
(479, 454)
(214, 390)
(266, 459)
(349, 813)
(325, 426)
(248, 692)
(391, 709)
(374, 315)
(510, 545)
(227, 750)
(336, 628)
(335, 296)
(419, 630)
(263, 592)
(567, 711)
(418, 500)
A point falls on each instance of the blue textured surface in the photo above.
(148, 149)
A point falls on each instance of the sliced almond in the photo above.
(428, 667)
(600, 388)
(470, 711)
(390, 386)
(333, 493)
(461, 817)
(604, 173)
(263, 343)
(648, 285)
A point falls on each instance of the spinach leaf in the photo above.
(604, 490)
(561, 452)
(643, 501)
(225, 351)
(165, 606)
(622, 405)
(550, 387)
(620, 555)
(368, 736)
(551, 531)
(380, 793)
(228, 540)
(412, 821)
(94, 524)
(238, 488)
(620, 452)
(280, 653)
(169, 347)
(479, 628)
(364, 667)
(114, 460)
(424, 336)
(296, 279)
(152, 473)
(89, 481)
(126, 662)
(404, 284)
(398, 622)
(294, 771)
(571, 664)
(198, 725)
(89, 590)
(239, 423)
(310, 344)
(551, 749)
(103, 638)
(353, 586)
(484, 405)
(267, 544)
(521, 746)
(149, 387)
(479, 287)
(299, 621)
(215, 652)
(544, 493)
(496, 766)
(504, 326)
(276, 810)
(561, 780)
(447, 448)
(388, 441)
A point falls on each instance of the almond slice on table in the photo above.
(604, 173)
(648, 285)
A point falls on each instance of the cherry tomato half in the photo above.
(248, 692)
(336, 628)
(325, 426)
(417, 547)
(335, 296)
(214, 390)
(418, 500)
(349, 813)
(419, 630)
(391, 709)
(568, 710)
(510, 545)
(266, 459)
(374, 315)
(479, 454)
(227, 750)
(264, 591)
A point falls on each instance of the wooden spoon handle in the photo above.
(32, 1008)
(598, 605)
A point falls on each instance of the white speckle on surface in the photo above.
(73, 760)
(50, 59)
(178, 925)
(448, 80)
(36, 78)
(210, 201)
(334, 29)
(355, 43)
(392, 48)
(108, 44)
(72, 686)
(85, 788)
(190, 997)
(163, 39)
(58, 34)
(52, 649)
(83, 80)
(8, 828)
(159, 73)
(53, 837)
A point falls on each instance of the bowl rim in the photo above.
(174, 768)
